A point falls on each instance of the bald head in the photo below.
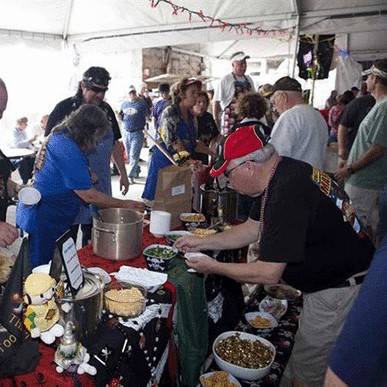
(3, 98)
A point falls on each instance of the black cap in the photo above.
(96, 75)
(287, 84)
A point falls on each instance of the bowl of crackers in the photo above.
(125, 299)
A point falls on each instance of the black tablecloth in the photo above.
(282, 338)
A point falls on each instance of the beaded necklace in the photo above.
(264, 201)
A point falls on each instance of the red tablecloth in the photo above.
(45, 373)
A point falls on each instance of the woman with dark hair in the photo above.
(208, 132)
(92, 90)
(177, 131)
(335, 113)
(64, 179)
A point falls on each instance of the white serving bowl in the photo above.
(101, 273)
(242, 372)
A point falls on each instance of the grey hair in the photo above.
(2, 84)
(259, 155)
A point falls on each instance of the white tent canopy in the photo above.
(64, 37)
(117, 25)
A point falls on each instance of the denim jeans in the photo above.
(133, 142)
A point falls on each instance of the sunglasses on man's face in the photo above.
(97, 89)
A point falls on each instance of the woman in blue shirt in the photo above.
(64, 179)
(178, 132)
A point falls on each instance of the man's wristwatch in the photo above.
(350, 170)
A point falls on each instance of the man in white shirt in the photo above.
(301, 131)
(231, 87)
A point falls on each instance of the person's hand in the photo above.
(13, 188)
(188, 243)
(202, 263)
(135, 205)
(8, 234)
(201, 147)
(341, 162)
(341, 173)
(94, 177)
(124, 184)
(33, 138)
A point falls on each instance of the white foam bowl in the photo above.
(29, 196)
(101, 273)
(45, 269)
(241, 372)
(252, 315)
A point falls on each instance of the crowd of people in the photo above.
(313, 230)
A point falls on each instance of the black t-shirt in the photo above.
(354, 114)
(5, 173)
(65, 107)
(207, 130)
(304, 228)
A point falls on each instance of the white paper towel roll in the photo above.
(160, 223)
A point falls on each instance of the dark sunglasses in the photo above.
(97, 89)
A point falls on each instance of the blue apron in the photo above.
(37, 220)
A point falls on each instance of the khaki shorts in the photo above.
(321, 320)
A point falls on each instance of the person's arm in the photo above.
(120, 163)
(239, 236)
(342, 144)
(332, 380)
(93, 196)
(257, 272)
(13, 188)
(217, 111)
(375, 152)
(8, 234)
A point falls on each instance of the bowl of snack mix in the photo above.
(192, 220)
(243, 355)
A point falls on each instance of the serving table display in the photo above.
(137, 351)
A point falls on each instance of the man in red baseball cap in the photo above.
(307, 235)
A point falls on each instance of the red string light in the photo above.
(238, 28)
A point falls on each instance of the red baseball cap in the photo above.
(243, 141)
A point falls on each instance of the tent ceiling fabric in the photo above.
(120, 25)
